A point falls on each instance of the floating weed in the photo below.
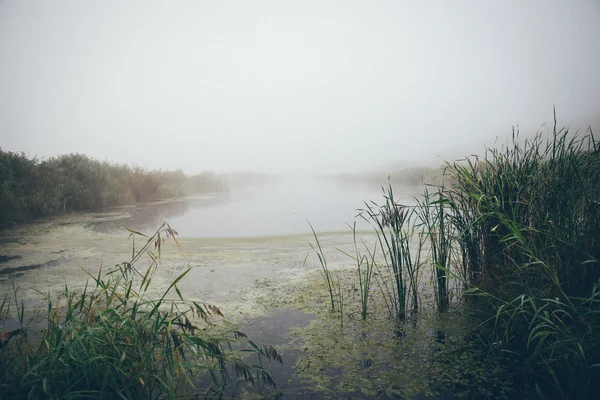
(369, 361)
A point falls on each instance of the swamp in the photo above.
(485, 286)
(317, 199)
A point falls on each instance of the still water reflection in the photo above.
(274, 209)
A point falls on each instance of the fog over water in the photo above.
(242, 123)
(277, 208)
(284, 86)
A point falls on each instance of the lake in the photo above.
(273, 209)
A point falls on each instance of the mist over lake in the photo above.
(282, 207)
(181, 183)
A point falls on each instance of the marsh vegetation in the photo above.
(31, 188)
(512, 241)
(484, 286)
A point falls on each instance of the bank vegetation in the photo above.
(32, 188)
(510, 237)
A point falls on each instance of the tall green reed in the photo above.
(437, 229)
(519, 228)
(394, 228)
(365, 266)
(527, 221)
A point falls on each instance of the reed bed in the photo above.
(516, 232)
(528, 221)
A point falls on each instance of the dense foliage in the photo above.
(527, 223)
(30, 188)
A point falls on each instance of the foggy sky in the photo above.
(280, 86)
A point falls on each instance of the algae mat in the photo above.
(232, 273)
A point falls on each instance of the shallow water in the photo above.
(275, 329)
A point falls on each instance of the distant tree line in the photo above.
(416, 176)
(32, 188)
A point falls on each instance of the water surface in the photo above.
(280, 208)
